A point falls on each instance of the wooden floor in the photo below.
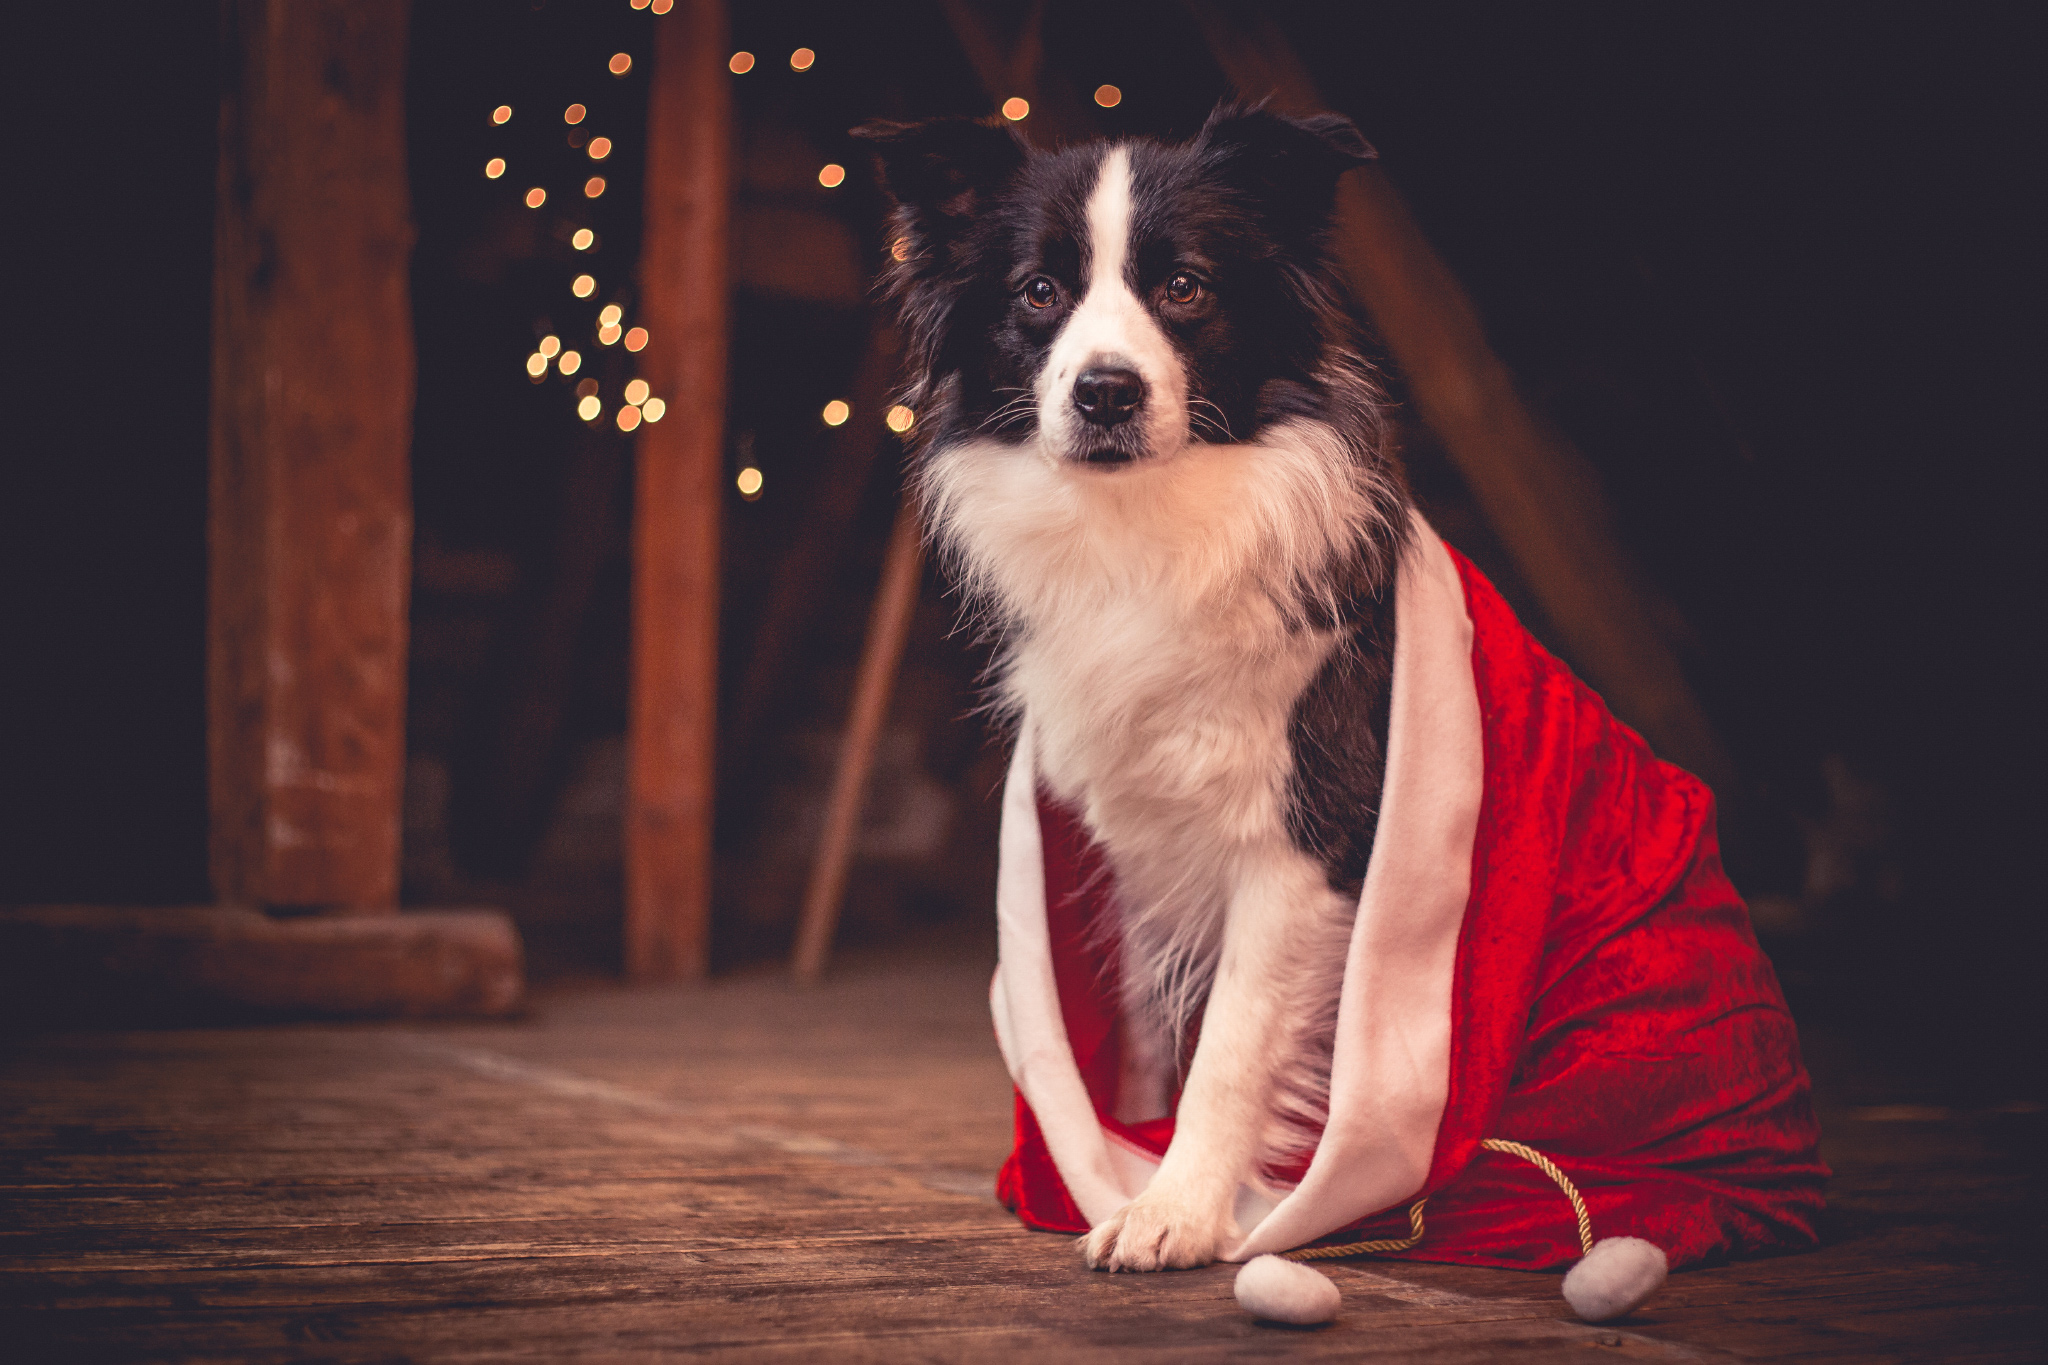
(750, 1171)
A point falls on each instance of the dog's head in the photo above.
(1112, 302)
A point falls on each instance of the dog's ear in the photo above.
(941, 171)
(1283, 161)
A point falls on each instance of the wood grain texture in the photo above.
(310, 502)
(685, 287)
(881, 655)
(158, 965)
(749, 1170)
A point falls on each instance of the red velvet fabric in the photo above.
(1610, 1006)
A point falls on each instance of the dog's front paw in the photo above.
(1160, 1230)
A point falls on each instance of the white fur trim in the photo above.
(1391, 1072)
(1617, 1277)
(1286, 1291)
(1026, 999)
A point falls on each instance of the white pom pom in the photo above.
(1618, 1276)
(1286, 1291)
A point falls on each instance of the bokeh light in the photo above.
(1015, 108)
(741, 63)
(583, 286)
(610, 314)
(607, 333)
(636, 339)
(832, 176)
(802, 59)
(636, 391)
(600, 148)
(749, 483)
(1108, 96)
(629, 417)
(501, 114)
(536, 364)
(570, 362)
(589, 408)
(550, 346)
(535, 197)
(899, 419)
(836, 412)
(653, 409)
(620, 63)
(494, 168)
(584, 239)
(593, 187)
(574, 114)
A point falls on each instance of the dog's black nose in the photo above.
(1108, 397)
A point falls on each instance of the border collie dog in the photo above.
(1153, 457)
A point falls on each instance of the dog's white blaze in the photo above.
(1112, 327)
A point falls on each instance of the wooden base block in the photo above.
(71, 966)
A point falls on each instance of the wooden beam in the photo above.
(310, 511)
(106, 966)
(685, 290)
(888, 628)
(1536, 490)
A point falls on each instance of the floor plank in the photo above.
(758, 1172)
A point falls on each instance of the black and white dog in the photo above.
(1154, 458)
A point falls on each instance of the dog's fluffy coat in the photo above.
(1195, 603)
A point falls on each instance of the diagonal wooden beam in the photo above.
(1535, 489)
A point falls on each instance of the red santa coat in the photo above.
(1547, 951)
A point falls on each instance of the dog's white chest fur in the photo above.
(1152, 653)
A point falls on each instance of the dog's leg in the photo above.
(1251, 1029)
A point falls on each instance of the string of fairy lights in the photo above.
(555, 358)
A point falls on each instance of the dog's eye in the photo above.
(1040, 293)
(1183, 288)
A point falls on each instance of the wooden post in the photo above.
(1536, 490)
(888, 628)
(684, 287)
(310, 512)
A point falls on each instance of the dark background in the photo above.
(1772, 267)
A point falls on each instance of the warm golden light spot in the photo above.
(494, 168)
(749, 483)
(664, 6)
(1108, 96)
(550, 346)
(636, 391)
(741, 63)
(628, 418)
(536, 364)
(653, 409)
(574, 114)
(900, 249)
(899, 419)
(832, 175)
(583, 287)
(584, 239)
(610, 314)
(589, 408)
(636, 339)
(836, 412)
(608, 333)
(1015, 108)
(801, 59)
(620, 63)
(570, 362)
(600, 148)
(593, 187)
(535, 197)
(637, 4)
(501, 114)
